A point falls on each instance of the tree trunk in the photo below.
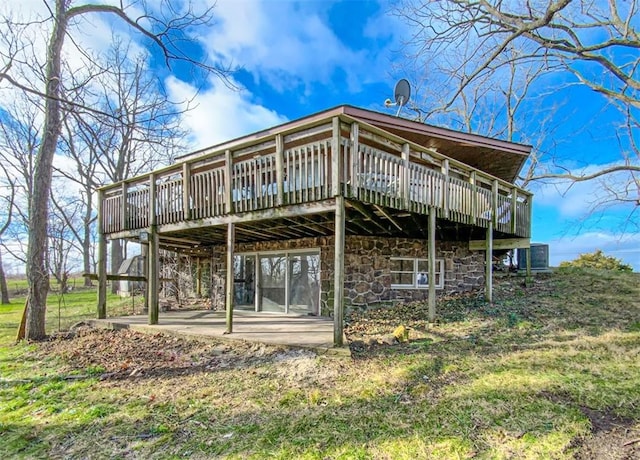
(4, 291)
(116, 261)
(37, 276)
(86, 239)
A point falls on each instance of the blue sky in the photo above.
(297, 58)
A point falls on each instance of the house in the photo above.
(345, 208)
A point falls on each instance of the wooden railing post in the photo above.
(530, 212)
(280, 169)
(186, 191)
(124, 214)
(101, 267)
(474, 197)
(494, 203)
(354, 167)
(335, 157)
(405, 177)
(228, 181)
(514, 209)
(152, 200)
(446, 186)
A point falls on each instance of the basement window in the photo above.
(409, 273)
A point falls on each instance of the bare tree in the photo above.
(163, 25)
(580, 42)
(7, 185)
(136, 128)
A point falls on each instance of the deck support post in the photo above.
(527, 279)
(198, 277)
(101, 267)
(229, 278)
(338, 272)
(431, 254)
(144, 252)
(153, 275)
(488, 289)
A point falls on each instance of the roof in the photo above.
(499, 158)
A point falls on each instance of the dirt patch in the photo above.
(122, 354)
(613, 437)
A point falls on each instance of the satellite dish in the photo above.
(402, 92)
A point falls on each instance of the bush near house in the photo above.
(599, 261)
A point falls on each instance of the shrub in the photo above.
(599, 261)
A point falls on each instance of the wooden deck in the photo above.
(305, 168)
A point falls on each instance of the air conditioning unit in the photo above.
(539, 257)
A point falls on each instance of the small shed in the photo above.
(133, 266)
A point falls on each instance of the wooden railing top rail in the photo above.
(317, 128)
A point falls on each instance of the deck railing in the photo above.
(369, 165)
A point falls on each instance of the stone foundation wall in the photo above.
(367, 268)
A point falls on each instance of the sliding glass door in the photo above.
(285, 282)
(273, 283)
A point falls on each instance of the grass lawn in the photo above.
(549, 371)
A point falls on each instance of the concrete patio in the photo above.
(267, 328)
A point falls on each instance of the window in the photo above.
(409, 273)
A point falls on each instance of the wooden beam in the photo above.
(388, 216)
(431, 254)
(488, 290)
(336, 157)
(280, 169)
(153, 273)
(144, 251)
(228, 181)
(153, 219)
(198, 277)
(101, 266)
(338, 271)
(474, 197)
(317, 207)
(186, 191)
(354, 166)
(447, 181)
(494, 202)
(506, 243)
(514, 209)
(404, 177)
(368, 214)
(124, 215)
(229, 283)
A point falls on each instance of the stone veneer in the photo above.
(367, 268)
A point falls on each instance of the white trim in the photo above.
(415, 273)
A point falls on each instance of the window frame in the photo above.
(415, 272)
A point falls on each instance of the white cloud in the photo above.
(285, 43)
(220, 113)
(625, 247)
